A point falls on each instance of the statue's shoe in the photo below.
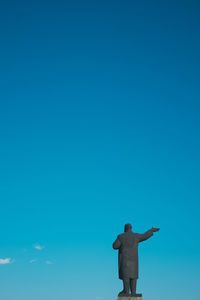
(136, 295)
(123, 293)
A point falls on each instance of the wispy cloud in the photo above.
(5, 261)
(32, 261)
(39, 247)
(48, 262)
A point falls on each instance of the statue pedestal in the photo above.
(136, 297)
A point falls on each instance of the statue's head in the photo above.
(127, 227)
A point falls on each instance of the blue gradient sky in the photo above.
(100, 124)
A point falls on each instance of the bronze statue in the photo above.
(127, 244)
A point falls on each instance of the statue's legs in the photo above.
(126, 284)
(133, 283)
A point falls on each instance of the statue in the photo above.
(127, 244)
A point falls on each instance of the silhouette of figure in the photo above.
(127, 244)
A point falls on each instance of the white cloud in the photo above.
(48, 262)
(5, 261)
(39, 247)
(32, 261)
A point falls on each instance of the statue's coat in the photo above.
(127, 244)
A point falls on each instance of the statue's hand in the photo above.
(155, 229)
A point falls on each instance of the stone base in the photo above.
(137, 297)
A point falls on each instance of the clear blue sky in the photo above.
(99, 119)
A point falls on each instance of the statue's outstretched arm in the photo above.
(146, 235)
